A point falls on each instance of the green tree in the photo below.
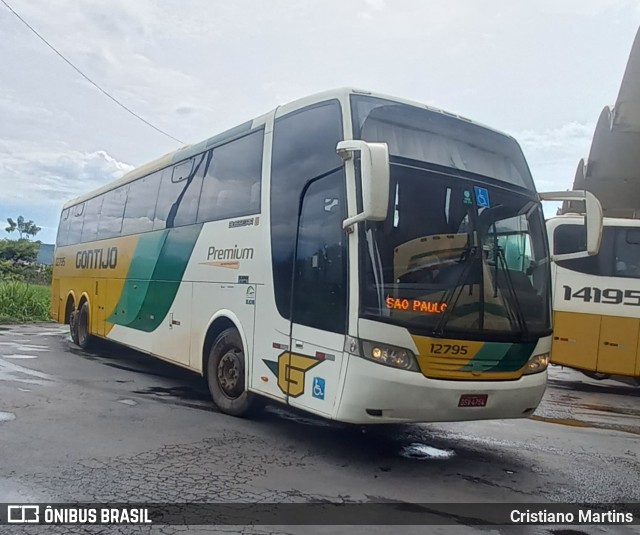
(23, 251)
(24, 228)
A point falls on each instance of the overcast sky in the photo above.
(541, 71)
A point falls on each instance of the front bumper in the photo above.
(395, 396)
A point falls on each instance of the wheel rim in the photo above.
(229, 373)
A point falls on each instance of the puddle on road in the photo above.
(561, 421)
(183, 396)
(419, 451)
(181, 392)
(608, 409)
(53, 333)
(6, 416)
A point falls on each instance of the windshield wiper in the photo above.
(456, 289)
(515, 309)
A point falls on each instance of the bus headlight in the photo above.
(398, 357)
(536, 364)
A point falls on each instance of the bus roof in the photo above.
(189, 150)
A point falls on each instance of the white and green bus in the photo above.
(347, 254)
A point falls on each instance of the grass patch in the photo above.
(21, 302)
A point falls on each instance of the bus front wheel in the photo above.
(226, 375)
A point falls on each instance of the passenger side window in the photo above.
(179, 193)
(91, 217)
(112, 212)
(141, 204)
(75, 226)
(231, 187)
(63, 228)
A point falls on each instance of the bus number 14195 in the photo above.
(608, 296)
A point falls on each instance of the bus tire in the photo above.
(82, 326)
(226, 375)
(73, 326)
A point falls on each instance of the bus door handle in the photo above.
(173, 322)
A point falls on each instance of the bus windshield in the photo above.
(457, 257)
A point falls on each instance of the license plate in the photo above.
(473, 400)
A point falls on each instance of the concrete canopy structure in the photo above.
(612, 171)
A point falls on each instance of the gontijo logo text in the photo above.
(97, 258)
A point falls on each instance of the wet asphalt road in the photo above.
(112, 425)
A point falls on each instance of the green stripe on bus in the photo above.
(516, 357)
(500, 357)
(172, 259)
(139, 276)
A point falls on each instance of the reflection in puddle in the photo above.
(7, 416)
(416, 450)
(53, 333)
(10, 371)
(300, 419)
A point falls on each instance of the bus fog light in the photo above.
(537, 363)
(397, 357)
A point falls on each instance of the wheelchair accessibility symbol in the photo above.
(318, 388)
(482, 197)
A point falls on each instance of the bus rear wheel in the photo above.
(226, 375)
(73, 326)
(80, 327)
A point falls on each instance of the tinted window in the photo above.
(113, 205)
(141, 204)
(231, 186)
(569, 239)
(572, 238)
(75, 227)
(91, 218)
(304, 147)
(627, 253)
(321, 287)
(186, 209)
(439, 138)
(179, 191)
(63, 227)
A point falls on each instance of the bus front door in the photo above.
(319, 302)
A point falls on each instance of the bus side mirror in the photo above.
(374, 158)
(592, 220)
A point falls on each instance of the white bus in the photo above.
(597, 299)
(343, 254)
